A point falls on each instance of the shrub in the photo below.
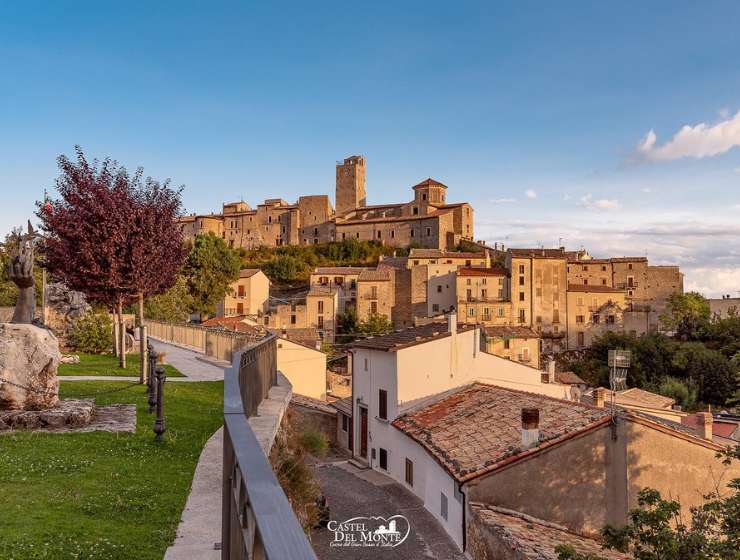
(92, 334)
(314, 442)
(684, 394)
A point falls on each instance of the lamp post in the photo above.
(152, 380)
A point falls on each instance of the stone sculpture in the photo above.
(21, 273)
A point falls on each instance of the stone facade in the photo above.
(316, 310)
(249, 295)
(375, 294)
(724, 306)
(427, 220)
(592, 311)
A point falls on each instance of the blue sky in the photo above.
(537, 113)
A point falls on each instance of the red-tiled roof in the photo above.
(538, 253)
(429, 182)
(569, 378)
(522, 537)
(437, 254)
(471, 271)
(640, 397)
(405, 338)
(233, 324)
(721, 428)
(379, 275)
(594, 289)
(339, 270)
(248, 272)
(506, 331)
(478, 428)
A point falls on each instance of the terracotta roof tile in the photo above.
(437, 254)
(538, 253)
(314, 404)
(496, 271)
(248, 272)
(522, 537)
(379, 275)
(411, 336)
(429, 182)
(569, 378)
(473, 430)
(339, 270)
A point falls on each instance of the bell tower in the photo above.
(350, 189)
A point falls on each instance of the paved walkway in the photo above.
(200, 528)
(191, 364)
(352, 492)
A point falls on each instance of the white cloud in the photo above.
(588, 201)
(566, 196)
(502, 200)
(737, 170)
(699, 141)
(646, 190)
(529, 193)
(723, 113)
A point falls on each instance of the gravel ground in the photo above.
(354, 493)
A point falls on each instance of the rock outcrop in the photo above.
(64, 307)
(29, 358)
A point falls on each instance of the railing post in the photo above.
(159, 424)
(152, 381)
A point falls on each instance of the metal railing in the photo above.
(257, 520)
(215, 342)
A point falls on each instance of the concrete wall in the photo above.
(304, 367)
(309, 418)
(593, 479)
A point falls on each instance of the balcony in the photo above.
(625, 285)
(369, 296)
(257, 520)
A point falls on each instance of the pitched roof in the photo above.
(343, 405)
(569, 378)
(235, 323)
(438, 254)
(248, 272)
(478, 428)
(398, 263)
(405, 338)
(305, 336)
(594, 289)
(314, 404)
(482, 271)
(514, 331)
(721, 428)
(640, 397)
(538, 253)
(523, 537)
(429, 182)
(379, 275)
(339, 270)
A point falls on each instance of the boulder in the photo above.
(29, 358)
(64, 307)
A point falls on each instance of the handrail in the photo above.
(257, 519)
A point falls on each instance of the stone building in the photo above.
(375, 294)
(249, 295)
(519, 344)
(724, 307)
(427, 220)
(593, 310)
(483, 296)
(316, 310)
(341, 278)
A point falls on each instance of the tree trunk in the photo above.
(116, 338)
(122, 334)
(144, 374)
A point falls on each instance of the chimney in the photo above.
(599, 397)
(530, 427)
(452, 322)
(705, 424)
(551, 371)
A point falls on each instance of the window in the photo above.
(521, 269)
(521, 280)
(321, 306)
(321, 322)
(467, 263)
(429, 232)
(241, 290)
(338, 280)
(373, 307)
(345, 423)
(579, 318)
(579, 302)
(580, 339)
(603, 281)
(424, 196)
(439, 289)
(383, 459)
(435, 307)
(585, 267)
(471, 311)
(374, 292)
(409, 472)
(555, 316)
(443, 506)
(469, 294)
(412, 233)
(500, 311)
(521, 296)
(585, 281)
(393, 234)
(379, 234)
(507, 344)
(521, 315)
(484, 294)
(415, 210)
(595, 319)
(467, 282)
(383, 404)
(610, 319)
(292, 319)
(365, 364)
(603, 268)
(629, 266)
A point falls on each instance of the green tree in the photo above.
(92, 333)
(376, 325)
(285, 269)
(173, 306)
(687, 315)
(209, 269)
(684, 394)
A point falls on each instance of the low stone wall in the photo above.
(308, 418)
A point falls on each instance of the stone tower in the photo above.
(350, 184)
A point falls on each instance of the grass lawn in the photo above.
(102, 495)
(107, 364)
